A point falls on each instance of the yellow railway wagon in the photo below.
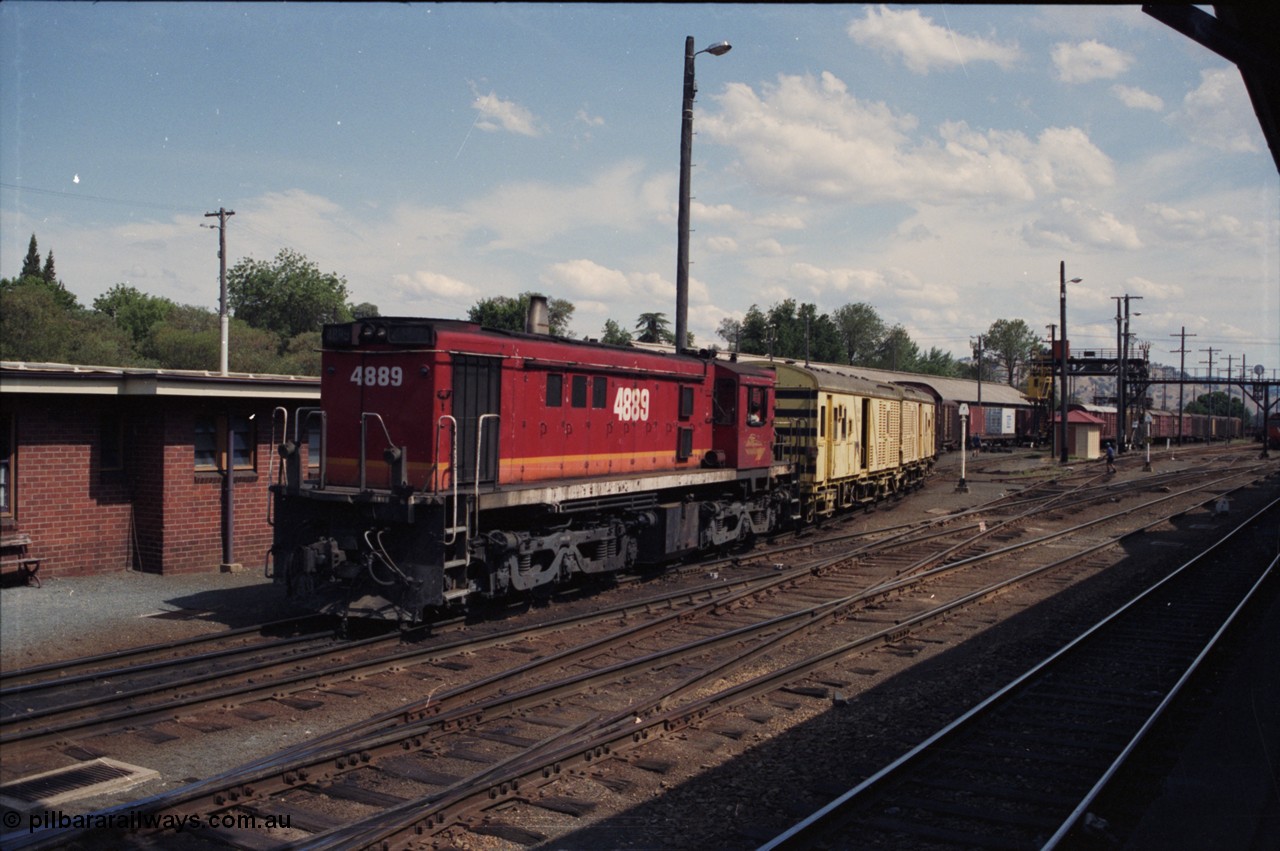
(853, 440)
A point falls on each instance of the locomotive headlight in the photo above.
(366, 333)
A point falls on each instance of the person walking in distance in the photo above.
(1111, 458)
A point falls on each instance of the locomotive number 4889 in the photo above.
(377, 376)
(631, 404)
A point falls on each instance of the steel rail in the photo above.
(249, 780)
(636, 724)
(808, 830)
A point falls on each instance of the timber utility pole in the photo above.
(1182, 375)
(1209, 379)
(223, 320)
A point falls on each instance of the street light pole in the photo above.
(1062, 320)
(682, 218)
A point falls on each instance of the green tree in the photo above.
(937, 362)
(134, 311)
(287, 296)
(36, 325)
(861, 330)
(614, 334)
(365, 310)
(301, 356)
(896, 351)
(508, 314)
(1216, 403)
(757, 335)
(1011, 343)
(191, 338)
(654, 328)
(730, 330)
(33, 275)
(31, 263)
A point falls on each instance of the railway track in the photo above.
(603, 703)
(1021, 769)
(234, 673)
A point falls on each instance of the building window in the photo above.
(7, 467)
(111, 443)
(244, 445)
(212, 437)
(555, 390)
(206, 443)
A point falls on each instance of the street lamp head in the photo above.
(718, 49)
(1075, 280)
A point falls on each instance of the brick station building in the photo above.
(108, 469)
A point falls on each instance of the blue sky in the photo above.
(937, 162)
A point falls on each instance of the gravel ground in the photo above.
(77, 616)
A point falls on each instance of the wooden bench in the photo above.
(15, 546)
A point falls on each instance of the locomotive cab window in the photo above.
(555, 390)
(757, 405)
(726, 402)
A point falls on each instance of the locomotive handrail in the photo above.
(450, 533)
(304, 415)
(364, 434)
(479, 455)
(280, 469)
(284, 432)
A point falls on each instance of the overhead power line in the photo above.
(79, 196)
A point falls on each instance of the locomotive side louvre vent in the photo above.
(51, 788)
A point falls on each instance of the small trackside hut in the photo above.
(451, 460)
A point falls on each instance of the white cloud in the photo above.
(922, 45)
(769, 247)
(808, 137)
(1198, 225)
(1136, 98)
(498, 114)
(586, 118)
(1072, 224)
(426, 286)
(1218, 113)
(1090, 60)
(588, 279)
(519, 215)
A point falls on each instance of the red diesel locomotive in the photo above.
(455, 460)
